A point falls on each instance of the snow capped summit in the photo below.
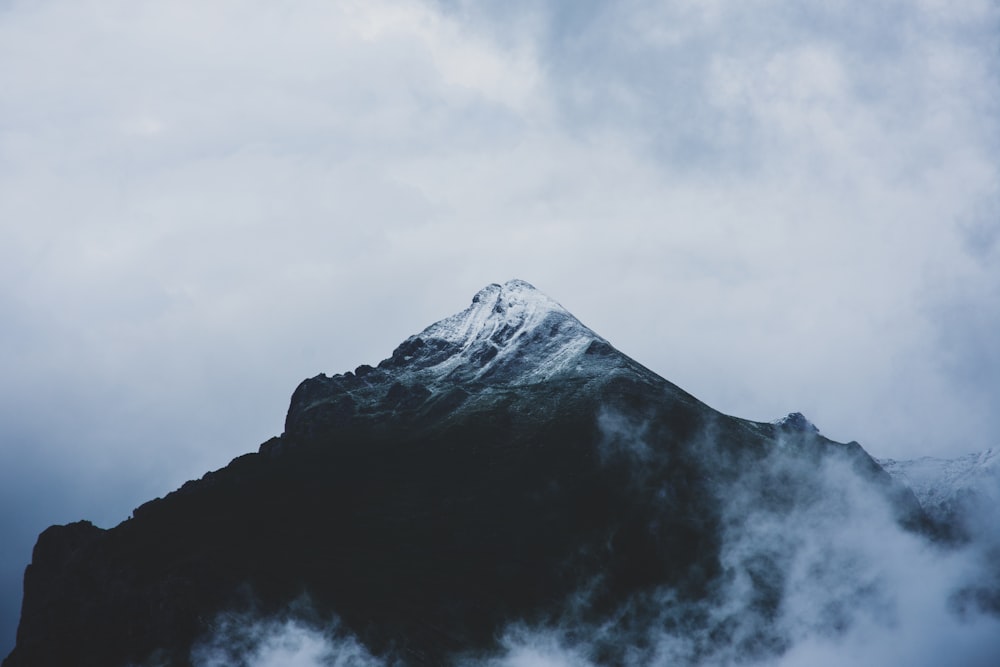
(511, 336)
(511, 333)
(516, 306)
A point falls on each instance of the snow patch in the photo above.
(513, 330)
(937, 483)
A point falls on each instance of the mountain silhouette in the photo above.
(505, 465)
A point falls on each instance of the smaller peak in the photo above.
(796, 421)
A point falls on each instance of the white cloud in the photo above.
(257, 642)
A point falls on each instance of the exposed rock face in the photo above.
(497, 464)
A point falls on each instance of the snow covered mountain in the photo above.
(951, 490)
(505, 467)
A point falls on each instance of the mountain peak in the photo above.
(515, 294)
(512, 333)
(796, 422)
(516, 305)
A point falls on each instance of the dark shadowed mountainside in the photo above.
(504, 466)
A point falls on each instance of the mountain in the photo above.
(506, 467)
(961, 497)
(953, 492)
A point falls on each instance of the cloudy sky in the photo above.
(777, 205)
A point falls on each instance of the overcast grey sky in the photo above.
(778, 206)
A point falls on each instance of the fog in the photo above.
(242, 640)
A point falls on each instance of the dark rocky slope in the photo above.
(493, 467)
